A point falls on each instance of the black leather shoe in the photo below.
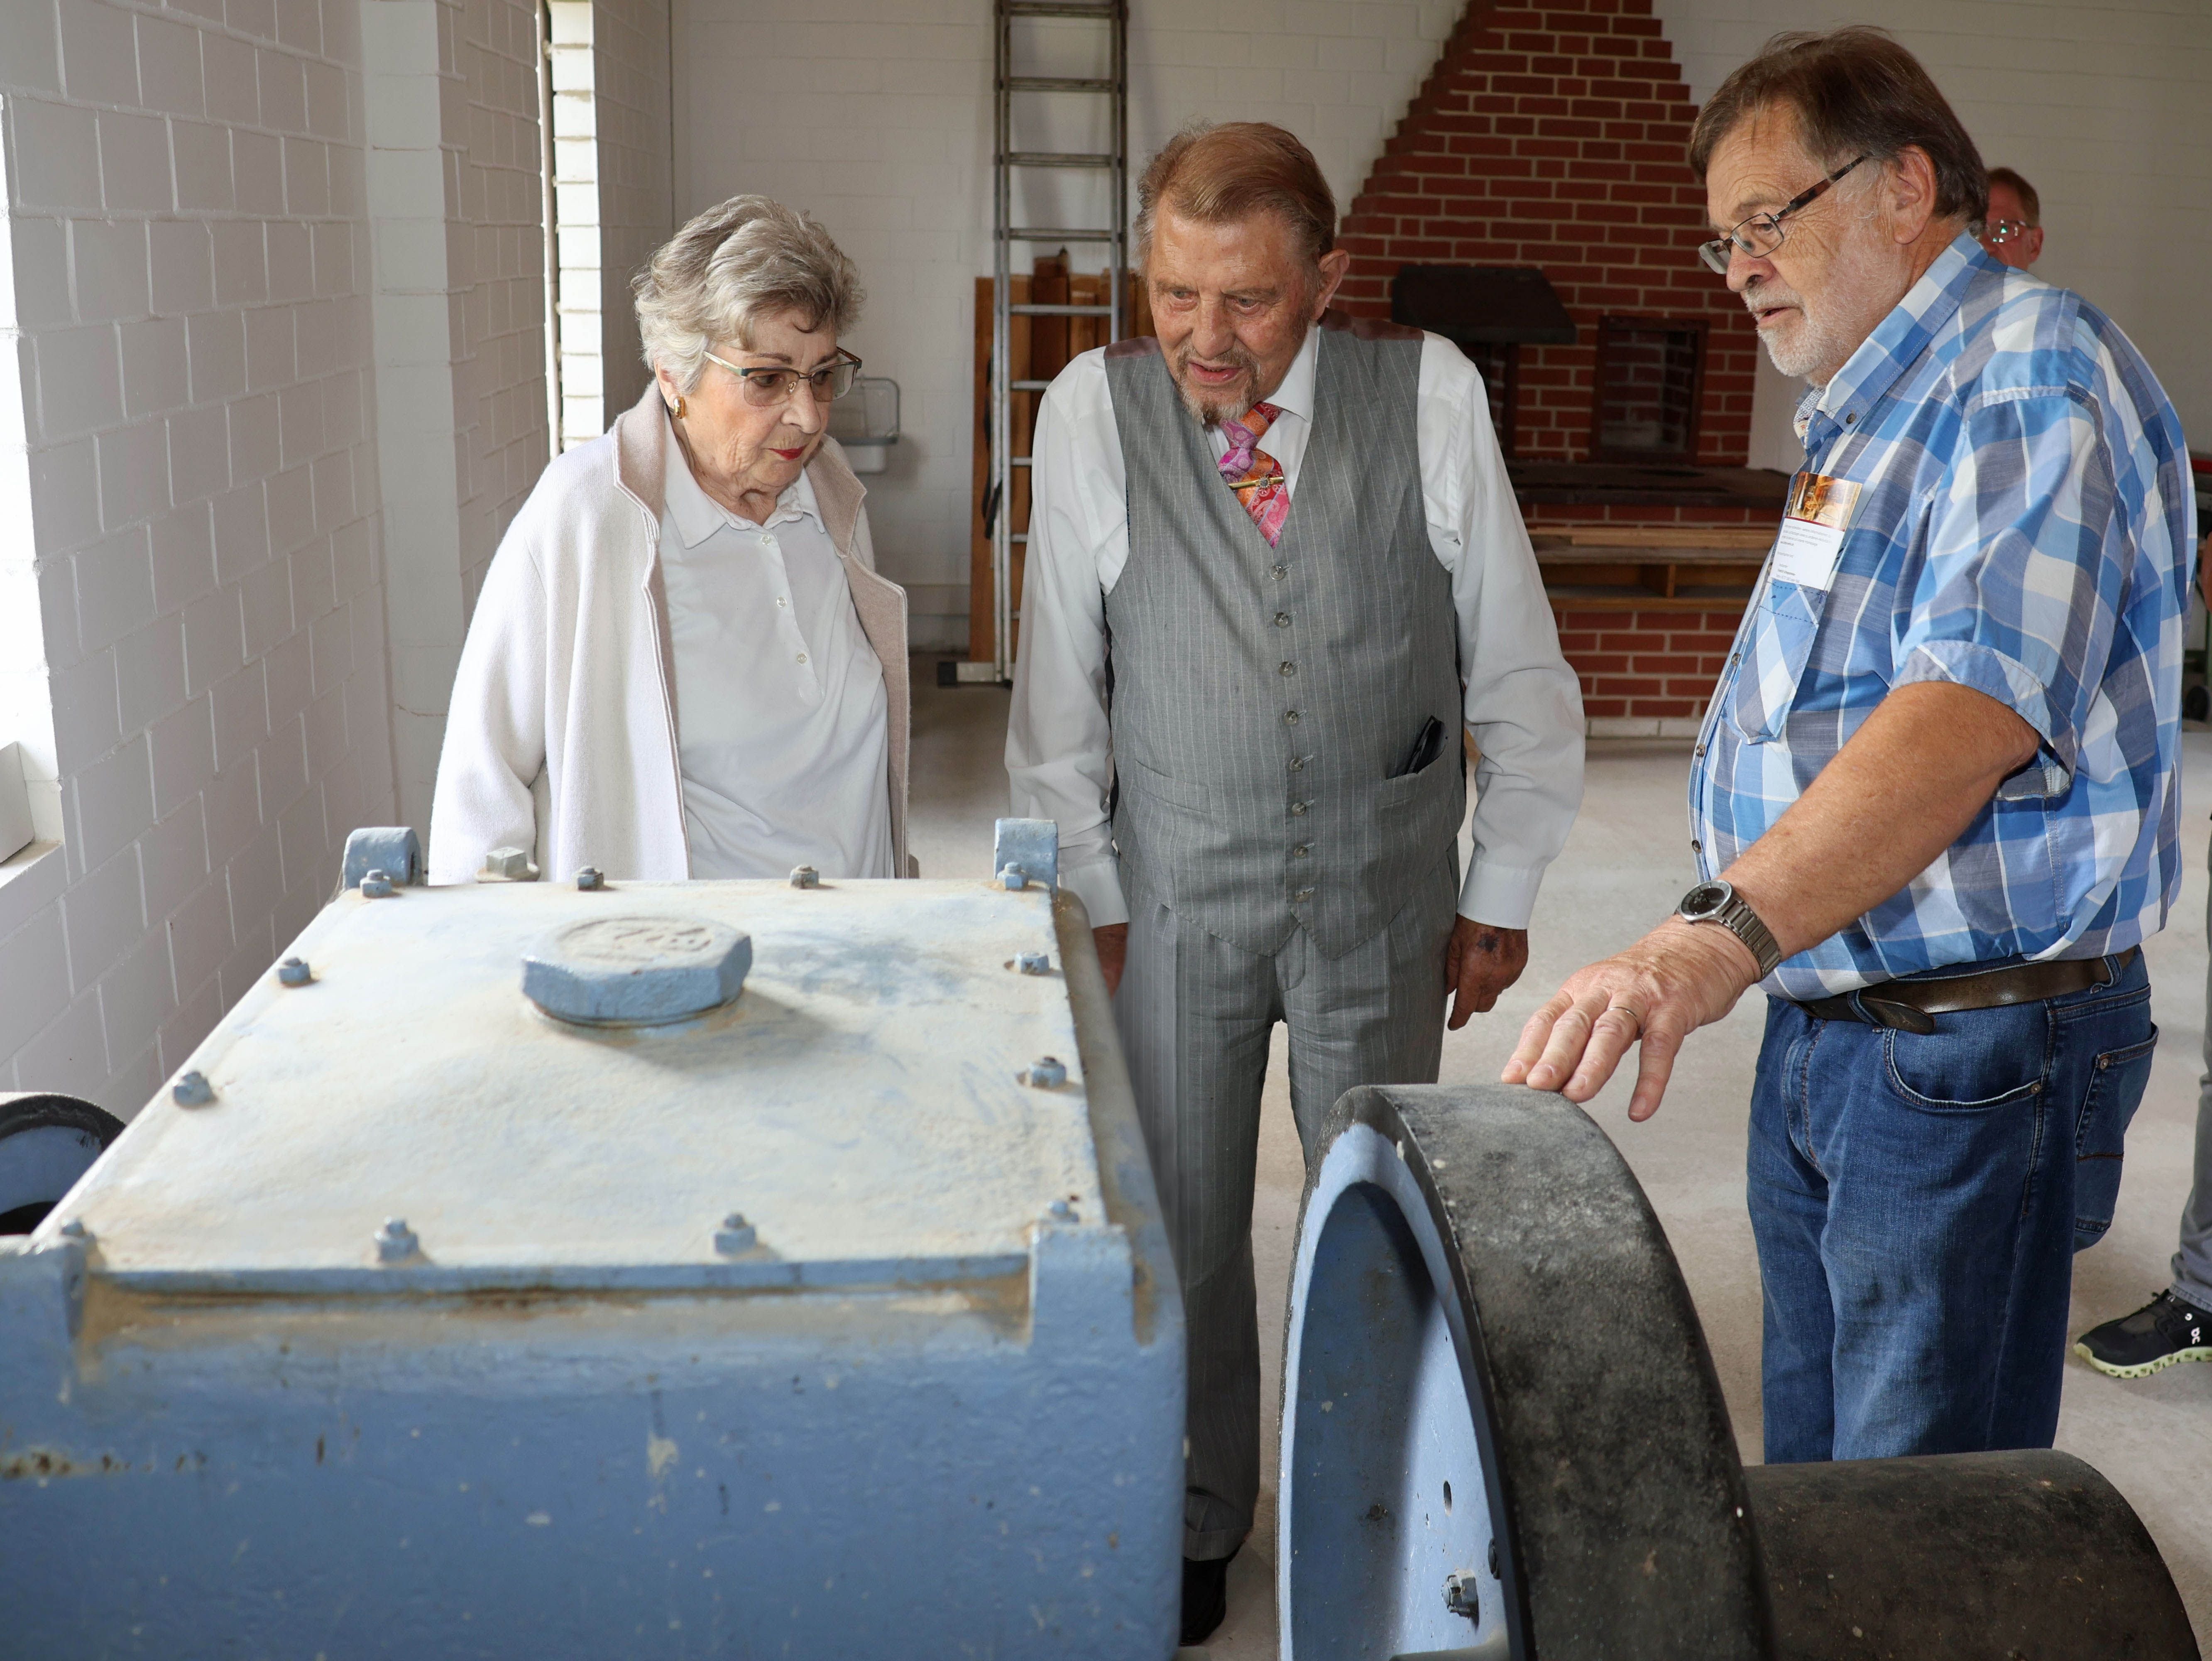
(1205, 1596)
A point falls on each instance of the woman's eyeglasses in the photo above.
(767, 388)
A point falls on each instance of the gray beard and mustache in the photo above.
(1212, 410)
(1810, 344)
(1824, 336)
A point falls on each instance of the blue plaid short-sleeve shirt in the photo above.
(2025, 526)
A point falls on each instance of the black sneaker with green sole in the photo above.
(2163, 1331)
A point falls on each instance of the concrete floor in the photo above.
(1627, 863)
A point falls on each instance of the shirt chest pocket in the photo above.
(1777, 644)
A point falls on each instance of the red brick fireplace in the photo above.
(1554, 134)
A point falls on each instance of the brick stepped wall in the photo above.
(1554, 134)
(1645, 673)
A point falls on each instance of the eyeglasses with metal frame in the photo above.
(769, 385)
(2005, 230)
(1762, 233)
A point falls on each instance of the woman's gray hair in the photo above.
(735, 264)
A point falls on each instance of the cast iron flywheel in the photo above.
(1504, 1439)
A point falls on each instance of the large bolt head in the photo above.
(736, 1235)
(508, 865)
(637, 971)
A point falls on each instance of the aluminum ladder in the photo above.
(1114, 16)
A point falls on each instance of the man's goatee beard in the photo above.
(1205, 412)
(1212, 411)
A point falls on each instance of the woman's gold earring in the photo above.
(679, 406)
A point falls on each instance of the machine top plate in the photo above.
(862, 1104)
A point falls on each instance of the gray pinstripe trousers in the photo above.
(1196, 1014)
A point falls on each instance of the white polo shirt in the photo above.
(780, 706)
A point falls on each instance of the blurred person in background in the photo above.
(2012, 230)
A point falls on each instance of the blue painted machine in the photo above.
(829, 1316)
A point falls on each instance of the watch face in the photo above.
(1706, 900)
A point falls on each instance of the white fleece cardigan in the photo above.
(562, 734)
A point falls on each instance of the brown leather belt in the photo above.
(1912, 1005)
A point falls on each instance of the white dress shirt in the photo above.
(1522, 708)
(780, 705)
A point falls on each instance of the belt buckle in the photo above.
(1899, 1017)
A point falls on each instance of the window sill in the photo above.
(34, 878)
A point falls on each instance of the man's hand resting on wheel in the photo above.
(1669, 983)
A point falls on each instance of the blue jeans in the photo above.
(1917, 1201)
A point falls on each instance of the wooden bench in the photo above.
(1653, 566)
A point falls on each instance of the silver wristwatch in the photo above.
(1718, 902)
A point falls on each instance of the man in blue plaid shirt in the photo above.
(1935, 799)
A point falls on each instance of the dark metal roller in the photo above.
(2030, 1554)
(1502, 1436)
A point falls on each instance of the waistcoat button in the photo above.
(1279, 572)
(1302, 894)
(1288, 669)
(1300, 806)
(1300, 851)
(1291, 717)
(1282, 620)
(1297, 764)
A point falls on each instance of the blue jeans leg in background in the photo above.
(1914, 1198)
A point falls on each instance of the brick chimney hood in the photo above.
(1482, 305)
(1554, 135)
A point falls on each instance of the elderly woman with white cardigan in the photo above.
(682, 662)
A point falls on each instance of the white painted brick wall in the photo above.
(500, 373)
(580, 286)
(455, 210)
(190, 289)
(636, 135)
(875, 115)
(2106, 108)
(612, 140)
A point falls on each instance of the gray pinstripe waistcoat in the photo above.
(1262, 697)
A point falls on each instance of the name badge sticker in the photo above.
(1812, 538)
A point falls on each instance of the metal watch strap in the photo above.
(1740, 921)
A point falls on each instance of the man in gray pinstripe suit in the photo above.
(1275, 569)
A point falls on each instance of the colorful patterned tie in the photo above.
(1255, 475)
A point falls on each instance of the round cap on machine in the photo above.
(638, 971)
